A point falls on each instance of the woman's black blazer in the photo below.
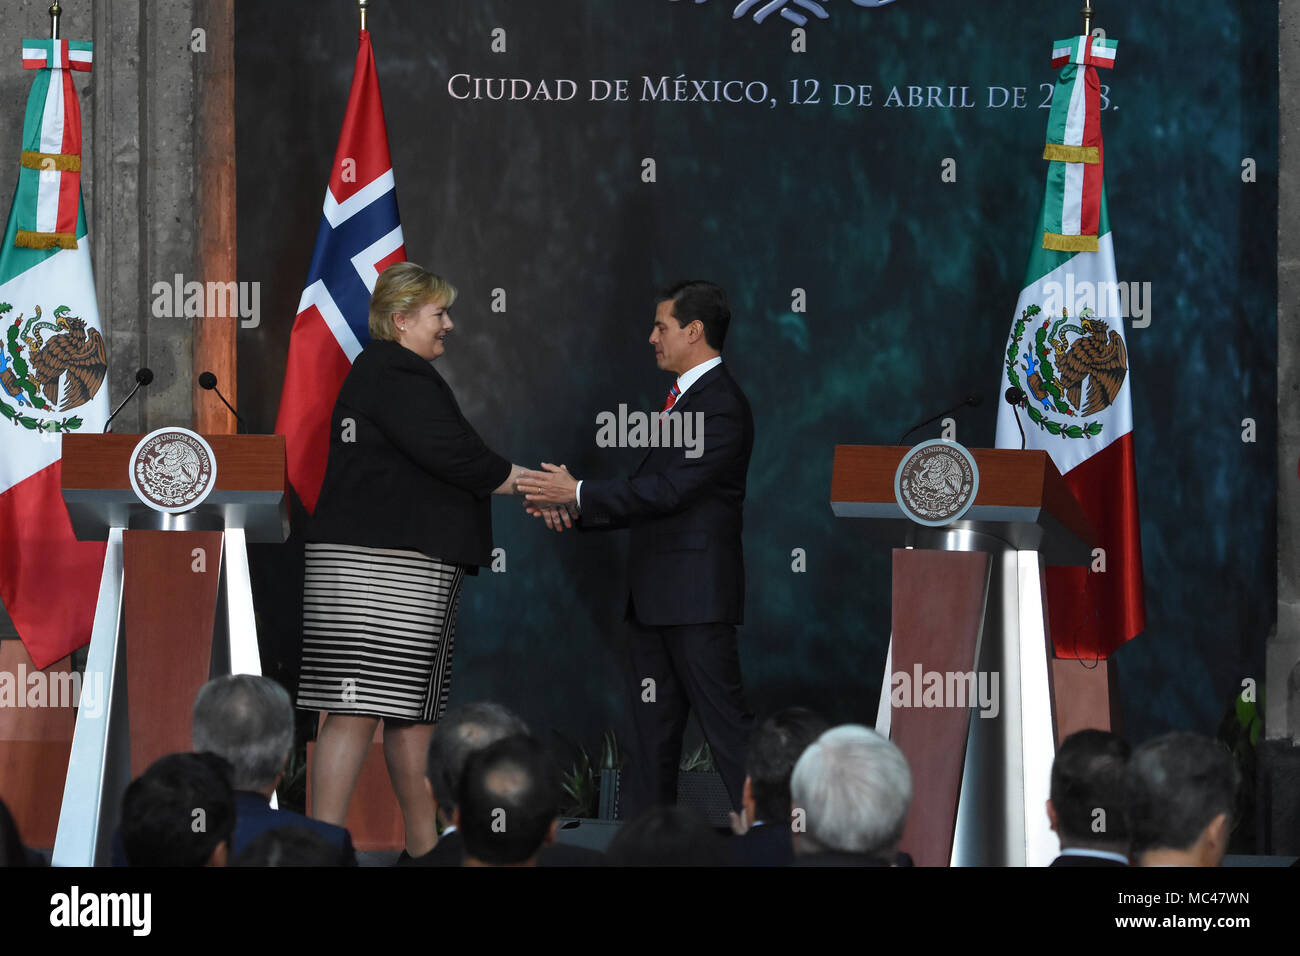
(405, 469)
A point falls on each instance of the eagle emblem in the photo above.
(1072, 370)
(173, 470)
(50, 367)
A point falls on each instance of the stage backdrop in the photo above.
(869, 204)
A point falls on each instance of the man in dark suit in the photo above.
(764, 835)
(248, 721)
(1086, 806)
(686, 570)
(463, 732)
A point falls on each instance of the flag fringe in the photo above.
(62, 162)
(1061, 153)
(26, 239)
(1059, 243)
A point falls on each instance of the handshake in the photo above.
(550, 494)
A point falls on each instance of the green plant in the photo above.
(699, 760)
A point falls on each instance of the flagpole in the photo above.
(55, 12)
(362, 5)
(1087, 17)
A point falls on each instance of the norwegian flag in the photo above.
(360, 236)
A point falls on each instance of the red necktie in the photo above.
(672, 397)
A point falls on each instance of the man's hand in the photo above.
(554, 486)
(557, 517)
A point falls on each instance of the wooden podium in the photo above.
(175, 608)
(970, 654)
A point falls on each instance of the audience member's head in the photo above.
(667, 836)
(179, 812)
(1180, 799)
(12, 851)
(1086, 806)
(289, 846)
(508, 802)
(774, 749)
(850, 793)
(247, 721)
(461, 732)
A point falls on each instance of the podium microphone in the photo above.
(208, 381)
(142, 377)
(970, 401)
(1015, 398)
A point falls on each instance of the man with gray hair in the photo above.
(248, 720)
(851, 790)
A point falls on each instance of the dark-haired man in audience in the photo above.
(1086, 807)
(765, 838)
(248, 721)
(508, 804)
(179, 812)
(850, 791)
(1180, 799)
(461, 732)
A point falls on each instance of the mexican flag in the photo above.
(1068, 352)
(52, 366)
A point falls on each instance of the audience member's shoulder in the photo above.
(566, 854)
(763, 846)
(449, 851)
(1078, 859)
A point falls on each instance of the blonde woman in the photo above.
(404, 514)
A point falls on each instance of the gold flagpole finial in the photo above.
(56, 11)
(362, 5)
(1087, 17)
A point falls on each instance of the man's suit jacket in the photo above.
(254, 816)
(768, 845)
(685, 560)
(1075, 859)
(450, 851)
(406, 470)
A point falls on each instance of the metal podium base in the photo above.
(1001, 812)
(99, 768)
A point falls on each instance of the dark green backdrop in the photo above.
(910, 283)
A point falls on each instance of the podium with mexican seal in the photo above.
(175, 605)
(967, 693)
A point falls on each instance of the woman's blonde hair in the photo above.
(405, 287)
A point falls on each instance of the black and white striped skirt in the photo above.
(378, 631)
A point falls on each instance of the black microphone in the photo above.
(1015, 398)
(970, 401)
(208, 381)
(142, 377)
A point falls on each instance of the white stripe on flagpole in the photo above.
(52, 120)
(1078, 114)
(364, 261)
(32, 53)
(47, 201)
(316, 294)
(340, 212)
(1072, 210)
